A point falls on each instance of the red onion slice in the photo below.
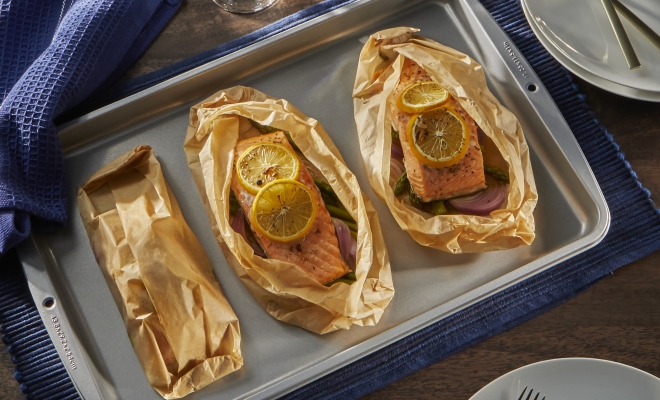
(238, 225)
(480, 203)
(396, 170)
(396, 151)
(347, 245)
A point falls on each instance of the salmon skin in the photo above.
(465, 177)
(317, 253)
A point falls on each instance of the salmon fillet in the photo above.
(465, 177)
(317, 253)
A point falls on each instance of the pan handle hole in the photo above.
(532, 87)
(49, 302)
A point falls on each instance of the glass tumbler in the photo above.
(244, 6)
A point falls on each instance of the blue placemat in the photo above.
(625, 242)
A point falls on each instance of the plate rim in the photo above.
(565, 360)
(638, 86)
(590, 77)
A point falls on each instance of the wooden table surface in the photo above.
(617, 319)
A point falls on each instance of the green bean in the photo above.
(401, 184)
(497, 173)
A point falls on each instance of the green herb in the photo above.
(349, 278)
(401, 184)
(497, 173)
(395, 134)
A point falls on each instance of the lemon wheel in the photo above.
(422, 96)
(265, 162)
(438, 138)
(284, 210)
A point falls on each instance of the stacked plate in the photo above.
(578, 34)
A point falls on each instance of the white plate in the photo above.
(595, 80)
(574, 379)
(581, 31)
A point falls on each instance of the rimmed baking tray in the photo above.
(313, 66)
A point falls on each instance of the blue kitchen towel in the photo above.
(625, 242)
(54, 54)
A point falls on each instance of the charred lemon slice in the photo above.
(264, 163)
(284, 210)
(422, 96)
(438, 138)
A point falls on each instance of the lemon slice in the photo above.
(264, 163)
(422, 96)
(284, 210)
(438, 138)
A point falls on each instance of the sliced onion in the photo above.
(347, 245)
(396, 151)
(396, 170)
(238, 225)
(481, 203)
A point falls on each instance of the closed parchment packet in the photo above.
(182, 328)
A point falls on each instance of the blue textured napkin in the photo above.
(54, 54)
(42, 375)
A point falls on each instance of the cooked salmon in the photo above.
(317, 253)
(465, 177)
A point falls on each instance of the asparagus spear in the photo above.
(497, 173)
(401, 184)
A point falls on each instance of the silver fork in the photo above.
(529, 396)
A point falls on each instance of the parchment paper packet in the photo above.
(379, 68)
(183, 330)
(283, 289)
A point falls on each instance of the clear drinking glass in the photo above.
(244, 6)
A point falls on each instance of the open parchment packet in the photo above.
(379, 68)
(183, 330)
(283, 289)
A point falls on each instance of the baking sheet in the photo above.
(313, 66)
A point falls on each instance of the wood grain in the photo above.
(616, 319)
(200, 25)
(8, 386)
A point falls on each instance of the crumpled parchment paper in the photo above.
(379, 68)
(283, 289)
(181, 326)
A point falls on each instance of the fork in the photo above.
(529, 396)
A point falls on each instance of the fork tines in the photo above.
(529, 396)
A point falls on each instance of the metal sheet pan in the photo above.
(313, 66)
